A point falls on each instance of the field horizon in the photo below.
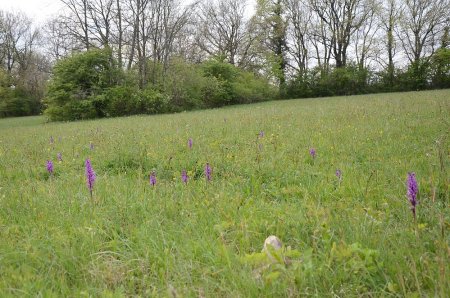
(327, 176)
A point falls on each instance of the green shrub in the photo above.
(88, 85)
(220, 70)
(248, 88)
(119, 100)
(417, 75)
(440, 68)
(299, 87)
(184, 85)
(228, 84)
(125, 100)
(151, 102)
(217, 93)
(78, 80)
(14, 106)
(15, 101)
(347, 80)
(79, 110)
(318, 82)
(219, 90)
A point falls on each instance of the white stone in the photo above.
(274, 241)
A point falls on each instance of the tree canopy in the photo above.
(173, 57)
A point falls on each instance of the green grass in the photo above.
(352, 238)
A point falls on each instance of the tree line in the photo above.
(103, 58)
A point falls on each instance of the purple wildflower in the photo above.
(184, 176)
(59, 156)
(50, 167)
(339, 174)
(312, 152)
(261, 134)
(90, 176)
(208, 172)
(190, 143)
(412, 190)
(153, 178)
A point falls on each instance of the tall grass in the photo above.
(344, 238)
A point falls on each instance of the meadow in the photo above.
(344, 235)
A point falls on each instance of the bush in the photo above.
(152, 102)
(15, 101)
(219, 90)
(11, 106)
(440, 68)
(299, 87)
(88, 85)
(184, 85)
(124, 100)
(77, 82)
(81, 109)
(346, 80)
(228, 84)
(118, 101)
(319, 82)
(248, 88)
(216, 93)
(417, 75)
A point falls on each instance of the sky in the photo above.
(38, 10)
(41, 10)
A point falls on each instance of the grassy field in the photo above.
(353, 236)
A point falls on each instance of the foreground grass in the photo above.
(346, 238)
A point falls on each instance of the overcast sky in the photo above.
(40, 10)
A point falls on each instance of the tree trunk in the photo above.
(119, 42)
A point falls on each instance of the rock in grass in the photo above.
(272, 244)
(274, 241)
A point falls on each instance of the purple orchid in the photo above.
(412, 190)
(208, 172)
(184, 177)
(90, 176)
(50, 167)
(153, 179)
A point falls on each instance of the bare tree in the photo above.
(389, 15)
(24, 67)
(186, 44)
(33, 77)
(224, 29)
(272, 36)
(421, 24)
(342, 18)
(366, 35)
(93, 23)
(137, 21)
(101, 17)
(167, 27)
(157, 25)
(77, 20)
(300, 18)
(18, 40)
(119, 32)
(58, 41)
(321, 43)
